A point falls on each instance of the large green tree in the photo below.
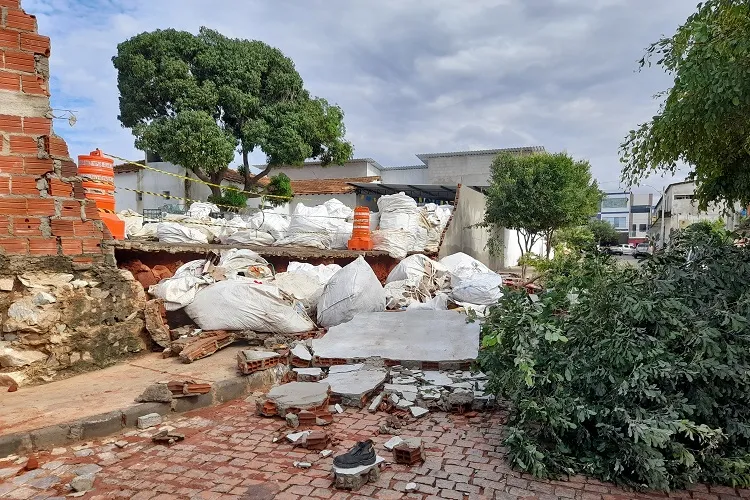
(604, 232)
(251, 92)
(539, 194)
(704, 119)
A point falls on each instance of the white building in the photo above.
(629, 213)
(680, 209)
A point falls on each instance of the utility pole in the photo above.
(663, 227)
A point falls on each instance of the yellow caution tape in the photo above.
(199, 181)
(175, 197)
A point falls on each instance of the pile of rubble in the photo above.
(400, 226)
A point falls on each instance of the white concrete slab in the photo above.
(418, 336)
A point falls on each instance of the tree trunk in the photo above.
(214, 178)
(548, 236)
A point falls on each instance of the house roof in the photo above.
(332, 165)
(330, 186)
(125, 168)
(406, 167)
(522, 150)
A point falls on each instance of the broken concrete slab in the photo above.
(150, 420)
(417, 412)
(437, 378)
(354, 388)
(376, 402)
(294, 395)
(308, 374)
(393, 442)
(420, 336)
(301, 352)
(345, 368)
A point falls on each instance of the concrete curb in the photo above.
(105, 424)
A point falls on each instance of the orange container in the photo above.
(99, 187)
(361, 233)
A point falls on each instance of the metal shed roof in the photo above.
(428, 191)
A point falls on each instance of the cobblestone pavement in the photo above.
(229, 453)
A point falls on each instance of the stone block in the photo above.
(49, 437)
(150, 420)
(131, 413)
(229, 389)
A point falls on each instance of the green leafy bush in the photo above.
(229, 197)
(280, 189)
(635, 375)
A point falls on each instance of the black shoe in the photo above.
(363, 453)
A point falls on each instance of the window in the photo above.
(635, 228)
(643, 228)
(620, 223)
(166, 194)
(684, 196)
(138, 196)
(615, 203)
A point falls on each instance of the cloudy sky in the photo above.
(413, 76)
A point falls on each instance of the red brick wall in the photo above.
(42, 207)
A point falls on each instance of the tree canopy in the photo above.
(703, 119)
(540, 193)
(604, 232)
(178, 89)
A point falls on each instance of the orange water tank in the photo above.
(99, 186)
(361, 233)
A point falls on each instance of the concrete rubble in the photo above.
(294, 396)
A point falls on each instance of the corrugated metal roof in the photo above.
(521, 150)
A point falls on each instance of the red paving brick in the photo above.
(229, 453)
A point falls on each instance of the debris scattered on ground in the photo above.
(150, 420)
(409, 452)
(205, 345)
(156, 326)
(32, 463)
(410, 487)
(302, 465)
(167, 437)
(355, 388)
(294, 396)
(292, 420)
(355, 478)
(393, 442)
(155, 393)
(308, 374)
(250, 361)
(326, 453)
(185, 388)
(316, 440)
(297, 437)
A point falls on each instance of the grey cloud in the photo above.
(412, 77)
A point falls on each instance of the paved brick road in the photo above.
(229, 453)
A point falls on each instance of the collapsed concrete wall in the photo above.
(48, 228)
(462, 235)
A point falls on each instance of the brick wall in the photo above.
(42, 206)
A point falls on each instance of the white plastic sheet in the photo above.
(352, 290)
(242, 304)
(438, 303)
(172, 232)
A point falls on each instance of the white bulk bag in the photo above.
(249, 237)
(133, 222)
(274, 224)
(415, 267)
(178, 291)
(438, 303)
(306, 288)
(396, 242)
(481, 289)
(323, 272)
(242, 304)
(200, 210)
(355, 289)
(172, 232)
(309, 227)
(463, 266)
(235, 261)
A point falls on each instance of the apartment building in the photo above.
(629, 213)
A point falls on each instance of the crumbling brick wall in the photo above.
(64, 306)
(43, 210)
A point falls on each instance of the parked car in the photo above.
(642, 250)
(623, 249)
